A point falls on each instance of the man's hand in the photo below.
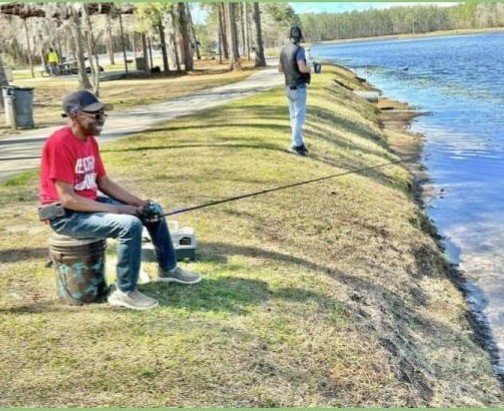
(142, 203)
(128, 209)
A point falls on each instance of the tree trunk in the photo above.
(186, 37)
(174, 36)
(145, 54)
(110, 40)
(84, 82)
(30, 58)
(247, 30)
(133, 46)
(60, 49)
(260, 60)
(40, 42)
(236, 42)
(223, 25)
(243, 16)
(235, 62)
(3, 81)
(220, 35)
(169, 32)
(233, 28)
(251, 31)
(166, 68)
(93, 57)
(150, 52)
(193, 32)
(125, 56)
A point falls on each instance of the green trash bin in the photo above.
(140, 63)
(18, 106)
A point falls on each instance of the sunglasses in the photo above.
(97, 115)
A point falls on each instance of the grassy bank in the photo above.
(327, 294)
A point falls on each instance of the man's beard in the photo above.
(94, 129)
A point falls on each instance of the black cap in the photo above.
(83, 100)
(295, 33)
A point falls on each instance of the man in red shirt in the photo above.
(72, 172)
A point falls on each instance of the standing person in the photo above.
(297, 76)
(253, 53)
(53, 61)
(71, 174)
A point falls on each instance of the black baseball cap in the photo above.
(83, 100)
(296, 33)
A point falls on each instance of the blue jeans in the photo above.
(128, 231)
(297, 111)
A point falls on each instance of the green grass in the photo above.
(328, 294)
(20, 179)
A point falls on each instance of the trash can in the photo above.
(18, 106)
(140, 63)
(317, 68)
(79, 265)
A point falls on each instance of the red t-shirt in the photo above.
(72, 160)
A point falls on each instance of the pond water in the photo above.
(460, 81)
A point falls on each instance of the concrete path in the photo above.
(23, 152)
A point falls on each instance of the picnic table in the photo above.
(64, 69)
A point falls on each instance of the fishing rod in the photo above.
(152, 213)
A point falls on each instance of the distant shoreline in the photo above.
(439, 33)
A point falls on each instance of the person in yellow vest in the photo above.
(53, 60)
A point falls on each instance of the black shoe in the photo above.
(299, 150)
(303, 148)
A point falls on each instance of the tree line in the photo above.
(83, 31)
(401, 20)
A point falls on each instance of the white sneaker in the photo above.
(178, 275)
(134, 300)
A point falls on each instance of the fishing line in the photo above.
(270, 190)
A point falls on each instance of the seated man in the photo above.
(72, 172)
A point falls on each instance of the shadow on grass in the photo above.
(226, 294)
(14, 255)
(179, 146)
(219, 252)
(321, 115)
(233, 295)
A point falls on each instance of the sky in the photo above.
(332, 7)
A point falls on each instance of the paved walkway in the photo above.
(23, 152)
